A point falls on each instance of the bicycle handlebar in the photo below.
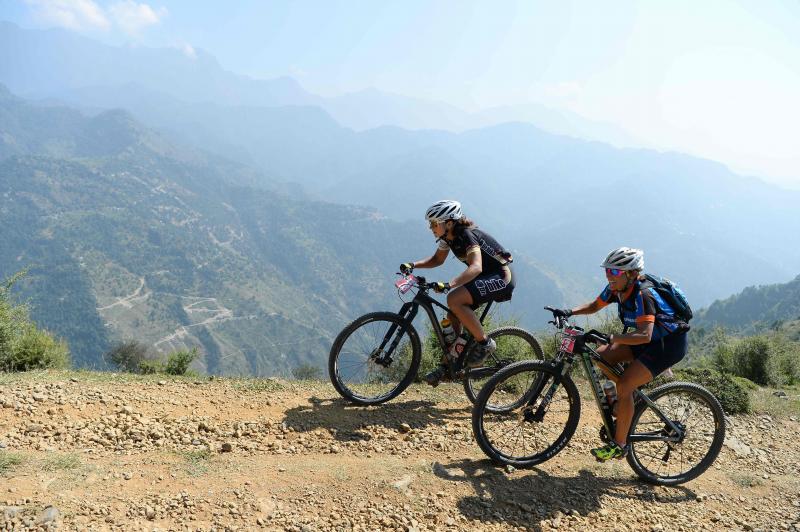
(422, 283)
(590, 336)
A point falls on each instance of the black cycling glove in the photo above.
(562, 313)
(441, 287)
(407, 267)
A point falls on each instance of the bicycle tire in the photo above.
(476, 378)
(404, 380)
(542, 375)
(640, 450)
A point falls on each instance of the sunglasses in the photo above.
(614, 272)
(433, 223)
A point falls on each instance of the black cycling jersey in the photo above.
(493, 256)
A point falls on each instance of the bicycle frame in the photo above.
(408, 312)
(590, 358)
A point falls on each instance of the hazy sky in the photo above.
(711, 78)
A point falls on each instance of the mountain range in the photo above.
(755, 308)
(128, 236)
(154, 194)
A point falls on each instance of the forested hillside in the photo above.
(127, 236)
(756, 308)
(560, 200)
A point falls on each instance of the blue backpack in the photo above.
(672, 294)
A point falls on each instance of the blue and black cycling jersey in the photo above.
(639, 305)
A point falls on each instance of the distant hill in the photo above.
(531, 187)
(43, 61)
(126, 235)
(756, 308)
(51, 62)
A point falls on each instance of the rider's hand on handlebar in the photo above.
(596, 336)
(562, 313)
(440, 287)
(407, 267)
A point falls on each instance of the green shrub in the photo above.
(750, 359)
(732, 394)
(127, 356)
(722, 352)
(767, 359)
(307, 372)
(178, 361)
(150, 367)
(23, 346)
(132, 357)
(36, 349)
(783, 367)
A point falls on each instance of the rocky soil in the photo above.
(87, 451)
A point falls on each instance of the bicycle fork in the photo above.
(537, 416)
(384, 357)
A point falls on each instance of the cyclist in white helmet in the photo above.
(656, 342)
(488, 276)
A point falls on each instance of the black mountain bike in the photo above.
(677, 429)
(378, 355)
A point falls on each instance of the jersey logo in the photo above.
(486, 286)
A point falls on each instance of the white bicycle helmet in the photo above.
(444, 210)
(625, 259)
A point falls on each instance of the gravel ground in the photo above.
(87, 451)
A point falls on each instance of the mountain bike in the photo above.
(378, 355)
(677, 431)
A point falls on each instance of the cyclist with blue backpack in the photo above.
(656, 313)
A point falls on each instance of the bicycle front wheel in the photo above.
(374, 358)
(513, 344)
(699, 417)
(540, 424)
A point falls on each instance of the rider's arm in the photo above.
(437, 259)
(601, 302)
(642, 335)
(588, 308)
(474, 268)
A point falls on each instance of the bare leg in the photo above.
(635, 375)
(454, 321)
(459, 301)
(614, 354)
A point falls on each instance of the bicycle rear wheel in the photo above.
(539, 426)
(513, 344)
(374, 358)
(700, 416)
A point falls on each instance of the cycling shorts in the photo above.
(491, 287)
(661, 354)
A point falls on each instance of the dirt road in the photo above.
(85, 451)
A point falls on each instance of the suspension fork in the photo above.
(407, 312)
(562, 367)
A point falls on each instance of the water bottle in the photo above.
(448, 332)
(457, 348)
(610, 389)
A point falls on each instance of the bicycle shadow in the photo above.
(348, 422)
(525, 500)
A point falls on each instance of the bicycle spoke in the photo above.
(676, 459)
(359, 372)
(511, 434)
